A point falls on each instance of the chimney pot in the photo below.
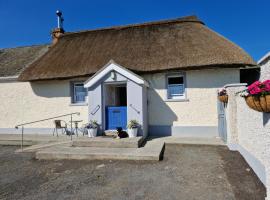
(57, 32)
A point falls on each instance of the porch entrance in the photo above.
(115, 106)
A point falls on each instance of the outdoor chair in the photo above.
(60, 124)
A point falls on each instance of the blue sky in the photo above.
(27, 22)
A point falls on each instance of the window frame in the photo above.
(179, 97)
(73, 92)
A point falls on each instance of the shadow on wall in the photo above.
(51, 89)
(266, 118)
(161, 113)
(199, 78)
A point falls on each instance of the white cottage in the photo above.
(164, 74)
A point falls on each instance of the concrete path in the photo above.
(9, 139)
(189, 140)
(108, 142)
(152, 151)
(50, 147)
(39, 146)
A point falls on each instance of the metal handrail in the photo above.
(42, 120)
(131, 105)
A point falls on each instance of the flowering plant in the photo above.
(257, 88)
(222, 92)
(133, 124)
(92, 124)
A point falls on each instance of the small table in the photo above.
(76, 122)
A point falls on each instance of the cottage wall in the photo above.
(195, 116)
(24, 102)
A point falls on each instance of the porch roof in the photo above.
(113, 66)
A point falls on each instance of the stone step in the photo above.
(150, 152)
(108, 142)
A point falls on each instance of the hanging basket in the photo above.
(260, 104)
(223, 98)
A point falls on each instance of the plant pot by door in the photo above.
(223, 98)
(92, 132)
(132, 132)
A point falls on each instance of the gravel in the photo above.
(187, 172)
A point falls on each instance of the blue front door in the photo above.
(116, 116)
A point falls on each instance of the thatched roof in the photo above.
(184, 43)
(14, 60)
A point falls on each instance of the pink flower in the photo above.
(266, 85)
(255, 88)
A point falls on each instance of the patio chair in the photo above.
(60, 124)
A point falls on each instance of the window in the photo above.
(79, 93)
(175, 87)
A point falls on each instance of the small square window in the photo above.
(79, 93)
(175, 87)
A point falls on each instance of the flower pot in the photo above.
(132, 132)
(260, 104)
(223, 98)
(92, 132)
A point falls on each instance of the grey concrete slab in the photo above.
(108, 142)
(189, 140)
(36, 147)
(152, 151)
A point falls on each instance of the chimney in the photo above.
(57, 32)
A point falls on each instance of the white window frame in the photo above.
(74, 101)
(176, 96)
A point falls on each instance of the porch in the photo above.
(115, 97)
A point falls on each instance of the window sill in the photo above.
(176, 100)
(78, 104)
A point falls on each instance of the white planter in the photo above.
(92, 132)
(132, 132)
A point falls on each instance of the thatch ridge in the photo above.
(184, 43)
(191, 18)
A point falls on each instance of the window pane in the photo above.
(79, 93)
(175, 80)
(176, 90)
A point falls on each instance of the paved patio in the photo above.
(187, 172)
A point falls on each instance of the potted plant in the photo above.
(257, 96)
(92, 127)
(222, 95)
(132, 126)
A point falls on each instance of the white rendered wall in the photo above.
(265, 69)
(24, 102)
(200, 109)
(249, 133)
